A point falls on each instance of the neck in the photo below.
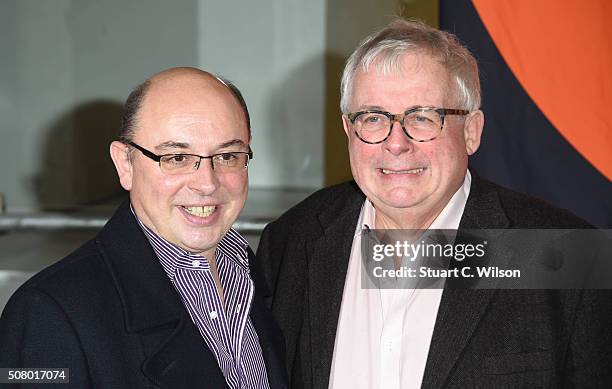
(212, 261)
(404, 219)
(418, 217)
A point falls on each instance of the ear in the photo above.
(346, 125)
(472, 131)
(119, 153)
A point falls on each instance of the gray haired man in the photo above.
(410, 110)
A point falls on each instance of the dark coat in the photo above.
(482, 338)
(109, 313)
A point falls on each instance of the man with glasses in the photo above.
(162, 297)
(410, 98)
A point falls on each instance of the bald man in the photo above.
(162, 297)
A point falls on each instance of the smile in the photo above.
(204, 211)
(410, 171)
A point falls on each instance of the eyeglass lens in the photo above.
(421, 125)
(187, 163)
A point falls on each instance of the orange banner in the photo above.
(561, 53)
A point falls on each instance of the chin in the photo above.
(400, 204)
(205, 241)
(402, 198)
(198, 247)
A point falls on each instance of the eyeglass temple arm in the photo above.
(146, 152)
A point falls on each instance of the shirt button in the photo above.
(195, 263)
(213, 315)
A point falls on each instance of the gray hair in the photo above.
(386, 47)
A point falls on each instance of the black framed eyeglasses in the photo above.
(179, 163)
(420, 124)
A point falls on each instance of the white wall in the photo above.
(274, 50)
(66, 65)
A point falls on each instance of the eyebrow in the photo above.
(370, 107)
(233, 142)
(170, 145)
(379, 108)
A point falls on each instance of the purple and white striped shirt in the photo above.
(228, 332)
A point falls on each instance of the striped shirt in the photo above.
(228, 332)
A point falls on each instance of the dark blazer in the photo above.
(109, 313)
(482, 338)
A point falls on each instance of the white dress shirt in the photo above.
(383, 335)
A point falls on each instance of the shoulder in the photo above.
(285, 237)
(40, 319)
(329, 201)
(76, 284)
(83, 264)
(525, 211)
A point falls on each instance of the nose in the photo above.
(204, 180)
(398, 142)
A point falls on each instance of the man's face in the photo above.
(193, 115)
(401, 177)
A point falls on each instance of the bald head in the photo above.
(178, 83)
(180, 114)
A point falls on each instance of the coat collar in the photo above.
(327, 268)
(148, 298)
(483, 209)
(461, 310)
(328, 257)
(177, 355)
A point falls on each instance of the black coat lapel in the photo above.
(270, 337)
(176, 356)
(328, 258)
(461, 310)
(183, 361)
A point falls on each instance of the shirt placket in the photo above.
(214, 321)
(238, 300)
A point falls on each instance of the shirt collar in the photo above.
(232, 246)
(450, 216)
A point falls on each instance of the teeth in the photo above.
(201, 211)
(411, 171)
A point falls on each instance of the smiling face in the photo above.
(410, 182)
(186, 111)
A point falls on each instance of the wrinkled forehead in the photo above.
(401, 61)
(406, 68)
